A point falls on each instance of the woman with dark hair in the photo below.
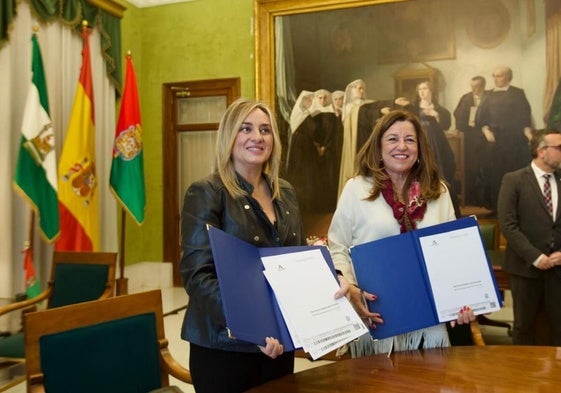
(436, 119)
(396, 188)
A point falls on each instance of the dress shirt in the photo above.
(541, 180)
(554, 192)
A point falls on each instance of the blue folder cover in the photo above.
(251, 310)
(393, 268)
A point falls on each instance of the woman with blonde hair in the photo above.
(246, 198)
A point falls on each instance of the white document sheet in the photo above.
(304, 287)
(459, 273)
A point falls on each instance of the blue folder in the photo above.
(394, 269)
(251, 310)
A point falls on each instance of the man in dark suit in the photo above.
(533, 234)
(504, 118)
(473, 138)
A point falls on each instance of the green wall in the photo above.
(174, 43)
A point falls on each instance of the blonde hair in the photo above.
(228, 129)
(369, 159)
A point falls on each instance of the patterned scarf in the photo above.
(409, 215)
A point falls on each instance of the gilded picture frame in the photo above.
(265, 12)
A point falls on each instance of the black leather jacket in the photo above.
(208, 202)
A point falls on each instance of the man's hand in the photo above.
(528, 133)
(546, 263)
(488, 134)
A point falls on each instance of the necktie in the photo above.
(547, 194)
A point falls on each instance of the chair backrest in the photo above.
(81, 276)
(489, 233)
(109, 345)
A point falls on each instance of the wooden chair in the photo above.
(110, 345)
(75, 277)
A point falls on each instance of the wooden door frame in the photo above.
(229, 87)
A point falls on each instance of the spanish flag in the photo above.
(77, 175)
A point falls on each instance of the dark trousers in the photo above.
(217, 371)
(528, 296)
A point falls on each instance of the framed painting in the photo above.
(410, 36)
(392, 46)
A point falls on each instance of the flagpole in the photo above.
(122, 281)
(31, 233)
(32, 286)
(28, 251)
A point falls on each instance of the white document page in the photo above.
(459, 273)
(304, 288)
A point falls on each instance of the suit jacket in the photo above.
(462, 111)
(507, 113)
(526, 224)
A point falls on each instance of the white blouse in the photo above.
(356, 221)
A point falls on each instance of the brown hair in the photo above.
(538, 139)
(369, 159)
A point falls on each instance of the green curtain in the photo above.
(7, 13)
(71, 13)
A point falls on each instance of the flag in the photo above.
(77, 177)
(36, 178)
(127, 169)
(32, 287)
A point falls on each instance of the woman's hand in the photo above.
(344, 287)
(272, 348)
(358, 299)
(432, 112)
(465, 315)
(401, 101)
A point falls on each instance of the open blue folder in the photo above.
(394, 269)
(251, 310)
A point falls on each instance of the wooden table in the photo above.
(498, 369)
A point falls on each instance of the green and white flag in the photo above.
(36, 171)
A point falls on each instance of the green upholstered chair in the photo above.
(489, 230)
(110, 345)
(75, 277)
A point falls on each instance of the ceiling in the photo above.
(154, 3)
